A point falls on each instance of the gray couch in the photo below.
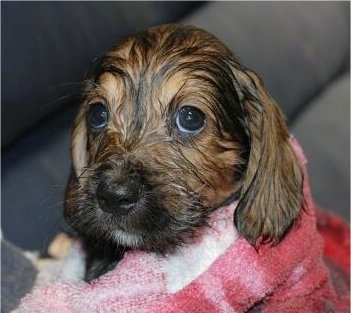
(300, 49)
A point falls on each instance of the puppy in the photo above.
(170, 128)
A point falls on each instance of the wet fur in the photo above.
(242, 154)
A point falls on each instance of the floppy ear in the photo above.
(271, 193)
(79, 144)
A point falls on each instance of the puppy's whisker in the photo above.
(56, 204)
(85, 171)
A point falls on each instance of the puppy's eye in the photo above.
(190, 120)
(97, 117)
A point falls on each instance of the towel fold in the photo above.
(220, 272)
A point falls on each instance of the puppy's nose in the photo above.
(119, 197)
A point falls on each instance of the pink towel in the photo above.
(220, 272)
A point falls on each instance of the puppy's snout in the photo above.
(119, 197)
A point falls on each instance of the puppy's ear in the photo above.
(271, 193)
(79, 144)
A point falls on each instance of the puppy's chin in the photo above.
(124, 238)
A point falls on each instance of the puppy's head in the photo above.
(170, 128)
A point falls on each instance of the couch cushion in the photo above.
(323, 130)
(33, 178)
(296, 47)
(17, 276)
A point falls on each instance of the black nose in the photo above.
(119, 197)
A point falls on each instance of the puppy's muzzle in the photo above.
(119, 194)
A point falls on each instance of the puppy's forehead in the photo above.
(118, 92)
(157, 62)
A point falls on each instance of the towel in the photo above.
(219, 272)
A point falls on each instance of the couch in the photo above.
(300, 49)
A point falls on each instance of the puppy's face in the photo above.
(172, 127)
